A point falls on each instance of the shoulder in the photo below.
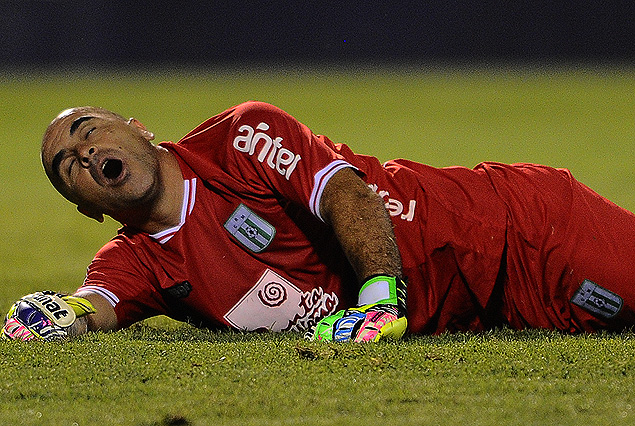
(124, 263)
(256, 107)
(229, 120)
(123, 247)
(262, 111)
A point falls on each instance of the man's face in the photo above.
(101, 162)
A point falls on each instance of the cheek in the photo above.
(84, 187)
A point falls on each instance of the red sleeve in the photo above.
(257, 149)
(118, 275)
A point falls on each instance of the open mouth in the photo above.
(109, 171)
(112, 169)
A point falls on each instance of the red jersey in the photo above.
(252, 252)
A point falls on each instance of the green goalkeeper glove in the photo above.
(44, 316)
(381, 313)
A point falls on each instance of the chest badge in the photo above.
(249, 229)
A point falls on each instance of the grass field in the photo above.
(161, 372)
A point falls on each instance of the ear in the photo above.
(93, 214)
(146, 134)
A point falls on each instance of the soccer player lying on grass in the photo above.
(253, 222)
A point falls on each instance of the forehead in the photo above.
(60, 133)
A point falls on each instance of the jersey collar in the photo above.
(189, 197)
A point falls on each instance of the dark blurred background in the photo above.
(41, 33)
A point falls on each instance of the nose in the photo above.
(86, 156)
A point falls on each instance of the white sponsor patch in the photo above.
(276, 304)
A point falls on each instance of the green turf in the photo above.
(582, 118)
(150, 374)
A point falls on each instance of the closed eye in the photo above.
(89, 132)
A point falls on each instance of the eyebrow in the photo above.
(57, 160)
(77, 122)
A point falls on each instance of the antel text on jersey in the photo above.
(278, 158)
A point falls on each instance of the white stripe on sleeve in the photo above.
(106, 294)
(321, 178)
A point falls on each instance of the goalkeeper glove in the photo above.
(381, 313)
(44, 316)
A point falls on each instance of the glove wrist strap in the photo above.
(378, 289)
(80, 305)
(383, 289)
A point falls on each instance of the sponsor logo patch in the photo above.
(276, 304)
(597, 300)
(249, 229)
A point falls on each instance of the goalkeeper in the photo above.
(253, 222)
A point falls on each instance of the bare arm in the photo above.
(104, 319)
(361, 224)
